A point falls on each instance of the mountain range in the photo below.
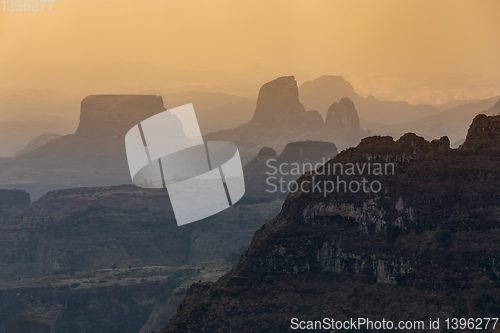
(425, 245)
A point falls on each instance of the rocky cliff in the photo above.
(342, 116)
(425, 243)
(484, 134)
(89, 228)
(12, 200)
(268, 176)
(280, 118)
(319, 94)
(94, 155)
(278, 102)
(111, 116)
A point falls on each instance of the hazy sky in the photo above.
(422, 47)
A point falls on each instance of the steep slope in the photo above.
(268, 176)
(425, 244)
(91, 228)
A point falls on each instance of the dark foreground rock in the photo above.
(426, 245)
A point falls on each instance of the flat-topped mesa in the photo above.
(111, 116)
(278, 102)
(308, 152)
(484, 133)
(343, 116)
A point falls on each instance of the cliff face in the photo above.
(484, 133)
(319, 94)
(343, 116)
(11, 200)
(111, 116)
(280, 118)
(426, 244)
(94, 155)
(89, 228)
(278, 102)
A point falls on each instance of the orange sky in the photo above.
(129, 46)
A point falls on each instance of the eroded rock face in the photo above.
(278, 102)
(426, 245)
(280, 118)
(94, 155)
(343, 116)
(484, 133)
(108, 116)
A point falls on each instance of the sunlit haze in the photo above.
(419, 51)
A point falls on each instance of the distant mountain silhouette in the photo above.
(453, 123)
(281, 118)
(38, 142)
(94, 155)
(342, 116)
(214, 111)
(320, 93)
(494, 110)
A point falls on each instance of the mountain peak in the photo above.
(343, 116)
(278, 101)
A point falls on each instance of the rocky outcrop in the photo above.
(93, 156)
(308, 152)
(278, 102)
(311, 152)
(269, 176)
(111, 116)
(257, 166)
(484, 133)
(89, 228)
(11, 200)
(280, 118)
(319, 94)
(422, 245)
(343, 116)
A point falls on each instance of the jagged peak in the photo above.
(484, 133)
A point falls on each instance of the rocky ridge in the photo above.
(280, 118)
(426, 245)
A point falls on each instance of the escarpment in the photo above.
(427, 244)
